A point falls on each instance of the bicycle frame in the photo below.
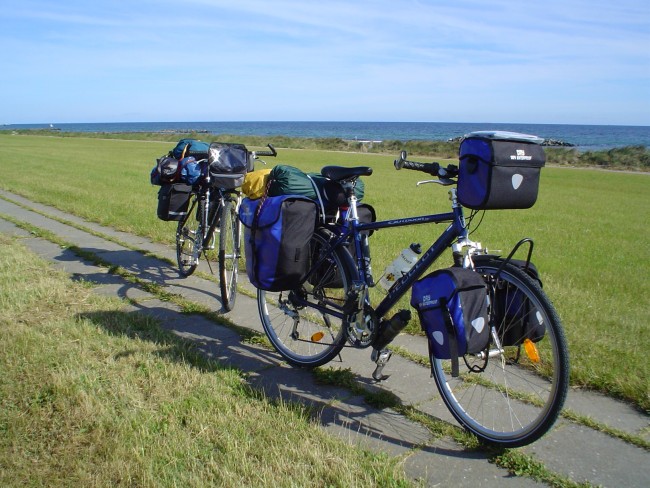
(352, 229)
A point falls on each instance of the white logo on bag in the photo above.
(520, 156)
(478, 324)
(427, 300)
(517, 180)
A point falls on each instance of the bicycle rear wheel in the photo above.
(512, 397)
(188, 239)
(305, 324)
(229, 252)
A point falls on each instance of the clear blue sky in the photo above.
(552, 61)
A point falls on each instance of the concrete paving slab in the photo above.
(384, 430)
(585, 455)
(445, 464)
(611, 412)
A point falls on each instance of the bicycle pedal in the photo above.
(377, 374)
(381, 359)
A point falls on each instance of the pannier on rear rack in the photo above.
(173, 201)
(277, 232)
(228, 164)
(515, 317)
(499, 170)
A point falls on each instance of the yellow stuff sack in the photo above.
(255, 183)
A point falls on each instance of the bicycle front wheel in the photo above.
(188, 239)
(305, 324)
(229, 252)
(511, 394)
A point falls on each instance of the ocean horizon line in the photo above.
(583, 136)
(333, 121)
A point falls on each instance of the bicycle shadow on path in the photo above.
(334, 407)
(158, 272)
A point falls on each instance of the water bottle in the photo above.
(400, 266)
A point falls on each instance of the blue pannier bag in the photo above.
(191, 147)
(190, 170)
(452, 306)
(499, 170)
(277, 234)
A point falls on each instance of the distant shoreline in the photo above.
(627, 158)
(583, 137)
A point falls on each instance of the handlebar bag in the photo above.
(452, 306)
(173, 201)
(515, 318)
(228, 164)
(277, 233)
(499, 170)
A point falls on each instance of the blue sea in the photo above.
(584, 137)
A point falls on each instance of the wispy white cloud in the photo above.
(278, 59)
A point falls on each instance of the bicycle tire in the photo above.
(302, 335)
(229, 253)
(518, 396)
(188, 236)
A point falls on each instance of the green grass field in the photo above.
(95, 395)
(589, 227)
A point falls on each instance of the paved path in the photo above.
(571, 450)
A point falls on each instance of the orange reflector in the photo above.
(317, 336)
(531, 350)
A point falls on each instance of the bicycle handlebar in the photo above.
(271, 153)
(434, 169)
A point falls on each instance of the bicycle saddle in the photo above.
(341, 173)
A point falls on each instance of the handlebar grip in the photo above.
(271, 153)
(430, 168)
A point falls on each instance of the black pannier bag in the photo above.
(228, 164)
(452, 306)
(173, 201)
(499, 170)
(277, 234)
(515, 318)
(166, 170)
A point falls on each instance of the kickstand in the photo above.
(380, 358)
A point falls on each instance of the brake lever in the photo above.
(441, 182)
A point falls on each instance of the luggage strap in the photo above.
(453, 338)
